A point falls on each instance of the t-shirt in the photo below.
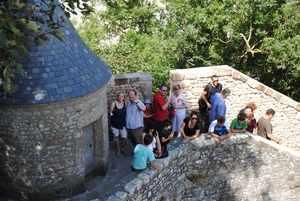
(158, 113)
(251, 125)
(190, 131)
(218, 107)
(148, 112)
(264, 127)
(152, 146)
(142, 155)
(165, 133)
(235, 124)
(219, 130)
(210, 90)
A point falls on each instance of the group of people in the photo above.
(212, 110)
(147, 126)
(136, 120)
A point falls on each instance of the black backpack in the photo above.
(201, 102)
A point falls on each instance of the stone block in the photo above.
(177, 76)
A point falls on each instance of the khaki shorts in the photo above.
(117, 132)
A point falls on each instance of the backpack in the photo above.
(201, 102)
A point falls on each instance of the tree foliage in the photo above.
(20, 23)
(257, 37)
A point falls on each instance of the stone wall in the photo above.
(140, 82)
(244, 89)
(243, 167)
(42, 146)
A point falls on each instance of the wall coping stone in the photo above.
(225, 70)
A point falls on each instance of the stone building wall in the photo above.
(140, 82)
(43, 148)
(244, 89)
(243, 167)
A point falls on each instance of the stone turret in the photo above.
(53, 129)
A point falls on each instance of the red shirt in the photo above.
(148, 112)
(158, 113)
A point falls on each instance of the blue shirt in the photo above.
(215, 128)
(218, 107)
(142, 155)
(134, 116)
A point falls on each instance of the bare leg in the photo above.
(117, 141)
(118, 151)
(123, 144)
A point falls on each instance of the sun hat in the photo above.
(147, 101)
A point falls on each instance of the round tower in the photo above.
(53, 129)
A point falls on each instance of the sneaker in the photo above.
(124, 152)
(118, 153)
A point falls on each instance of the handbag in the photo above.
(173, 112)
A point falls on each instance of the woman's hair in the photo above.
(252, 106)
(194, 113)
(118, 94)
(146, 129)
(176, 87)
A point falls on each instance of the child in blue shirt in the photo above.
(219, 128)
(143, 155)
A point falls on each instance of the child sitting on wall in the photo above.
(239, 124)
(143, 155)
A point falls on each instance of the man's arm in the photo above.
(203, 97)
(140, 105)
(271, 137)
(165, 105)
(221, 110)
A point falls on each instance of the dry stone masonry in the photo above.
(243, 167)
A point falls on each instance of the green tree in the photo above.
(127, 36)
(257, 37)
(20, 23)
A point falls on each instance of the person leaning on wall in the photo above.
(189, 128)
(265, 128)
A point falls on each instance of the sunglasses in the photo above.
(164, 90)
(194, 118)
(216, 81)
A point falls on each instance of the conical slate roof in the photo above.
(58, 71)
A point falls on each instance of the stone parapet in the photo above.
(243, 167)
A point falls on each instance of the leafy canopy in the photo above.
(257, 37)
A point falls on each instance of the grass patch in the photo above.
(196, 178)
